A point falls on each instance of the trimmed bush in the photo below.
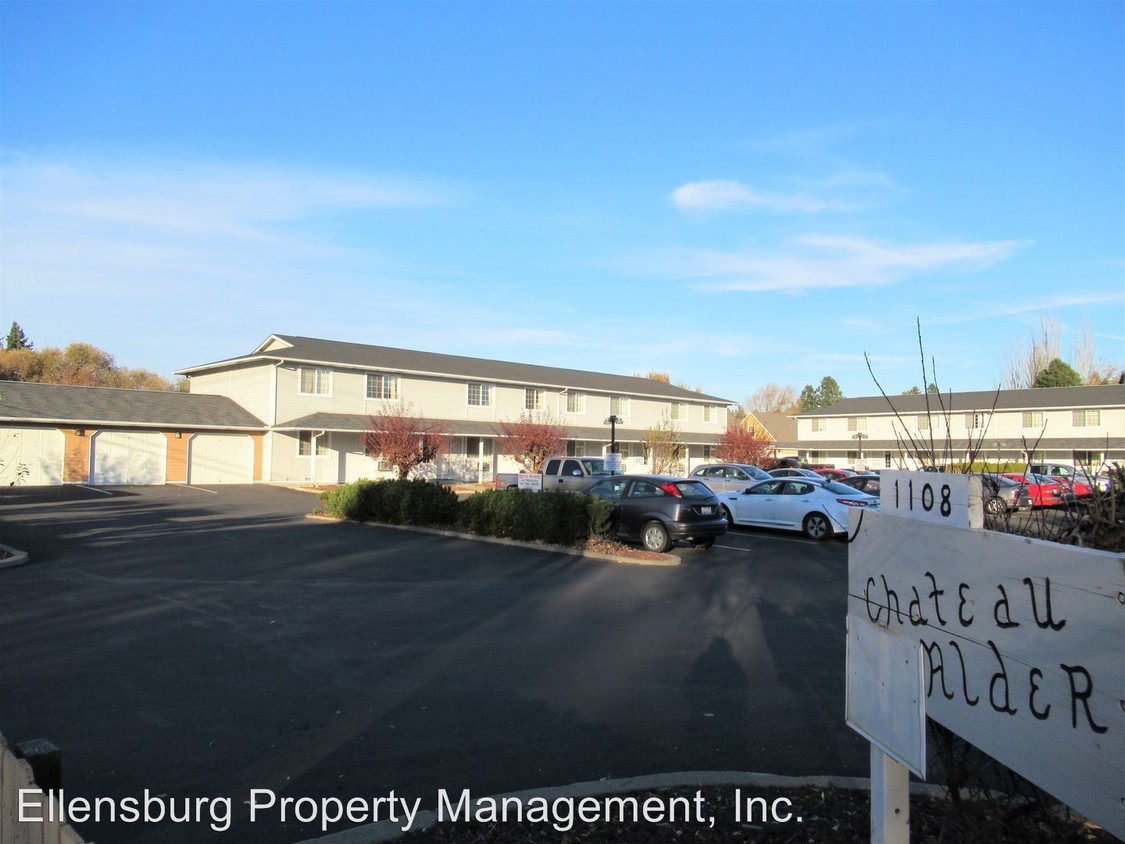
(414, 502)
(557, 518)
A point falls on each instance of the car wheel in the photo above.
(703, 544)
(995, 506)
(727, 515)
(654, 536)
(817, 526)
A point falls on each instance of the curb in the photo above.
(14, 558)
(666, 561)
(383, 831)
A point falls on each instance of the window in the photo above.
(819, 424)
(857, 423)
(316, 382)
(480, 395)
(815, 457)
(679, 411)
(709, 452)
(1086, 418)
(618, 406)
(305, 444)
(1033, 419)
(976, 420)
(923, 422)
(575, 402)
(382, 386)
(886, 460)
(532, 399)
(710, 413)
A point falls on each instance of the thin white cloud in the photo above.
(723, 195)
(977, 311)
(818, 262)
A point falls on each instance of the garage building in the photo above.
(54, 434)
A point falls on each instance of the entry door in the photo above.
(479, 449)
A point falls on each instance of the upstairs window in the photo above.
(1086, 418)
(316, 382)
(382, 386)
(710, 413)
(1032, 418)
(819, 424)
(480, 395)
(973, 421)
(619, 406)
(857, 423)
(532, 399)
(679, 411)
(575, 402)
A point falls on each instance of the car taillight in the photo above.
(851, 502)
(672, 490)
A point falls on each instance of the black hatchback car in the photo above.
(656, 510)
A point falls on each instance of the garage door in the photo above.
(220, 459)
(40, 450)
(129, 457)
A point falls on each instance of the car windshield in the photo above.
(594, 466)
(756, 473)
(693, 489)
(841, 489)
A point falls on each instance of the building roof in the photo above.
(780, 426)
(358, 423)
(1047, 398)
(293, 349)
(24, 402)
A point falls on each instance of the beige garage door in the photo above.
(39, 451)
(220, 459)
(129, 457)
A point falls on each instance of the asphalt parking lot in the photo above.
(203, 642)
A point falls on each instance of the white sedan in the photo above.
(818, 509)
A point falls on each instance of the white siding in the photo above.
(248, 386)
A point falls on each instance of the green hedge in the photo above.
(414, 502)
(557, 518)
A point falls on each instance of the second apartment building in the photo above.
(316, 397)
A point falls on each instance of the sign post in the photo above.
(1018, 642)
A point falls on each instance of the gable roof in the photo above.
(294, 349)
(24, 402)
(781, 426)
(1046, 398)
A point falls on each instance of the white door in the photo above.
(220, 459)
(31, 456)
(129, 457)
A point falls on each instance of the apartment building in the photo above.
(1078, 425)
(316, 397)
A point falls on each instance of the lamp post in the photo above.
(860, 437)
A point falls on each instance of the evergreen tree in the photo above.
(17, 339)
(1058, 373)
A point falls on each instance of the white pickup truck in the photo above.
(568, 474)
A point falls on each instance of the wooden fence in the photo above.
(15, 774)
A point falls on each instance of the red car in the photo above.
(835, 474)
(1044, 492)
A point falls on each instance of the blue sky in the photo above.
(733, 193)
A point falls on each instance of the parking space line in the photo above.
(95, 489)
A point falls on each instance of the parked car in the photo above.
(1003, 495)
(834, 474)
(818, 508)
(1071, 489)
(728, 477)
(794, 472)
(1071, 474)
(864, 483)
(1044, 491)
(657, 510)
